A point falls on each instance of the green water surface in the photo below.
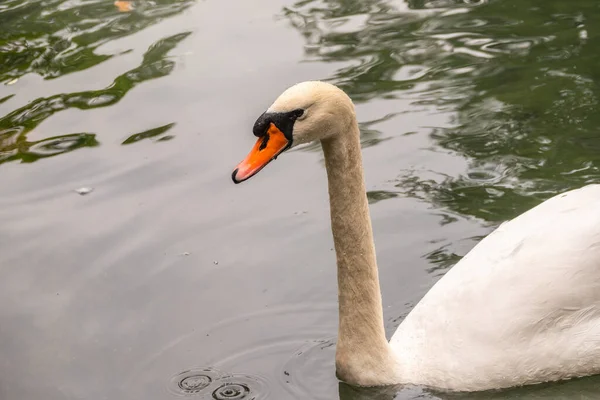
(471, 112)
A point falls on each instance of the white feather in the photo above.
(521, 307)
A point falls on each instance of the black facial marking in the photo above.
(283, 121)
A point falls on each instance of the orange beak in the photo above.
(266, 149)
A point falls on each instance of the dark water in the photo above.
(471, 112)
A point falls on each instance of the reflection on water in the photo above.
(584, 389)
(14, 146)
(519, 79)
(53, 39)
(150, 133)
(56, 37)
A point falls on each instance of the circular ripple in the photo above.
(252, 349)
(241, 386)
(231, 391)
(277, 353)
(210, 383)
(194, 381)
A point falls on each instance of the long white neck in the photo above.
(363, 356)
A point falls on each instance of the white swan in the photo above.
(522, 307)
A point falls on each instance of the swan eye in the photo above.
(298, 114)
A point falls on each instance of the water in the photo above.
(131, 265)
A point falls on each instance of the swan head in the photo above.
(304, 113)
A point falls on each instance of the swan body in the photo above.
(522, 307)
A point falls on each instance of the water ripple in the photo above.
(15, 126)
(55, 38)
(210, 383)
(515, 81)
(301, 359)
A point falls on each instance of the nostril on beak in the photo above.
(263, 145)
